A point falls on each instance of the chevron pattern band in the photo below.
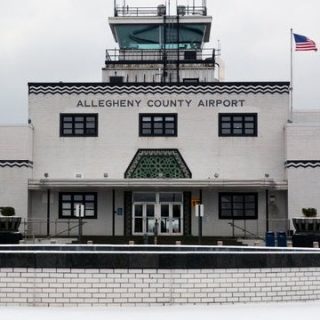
(302, 164)
(105, 88)
(16, 164)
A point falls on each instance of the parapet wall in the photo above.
(110, 287)
(109, 276)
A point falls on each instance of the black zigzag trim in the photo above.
(105, 88)
(302, 164)
(16, 164)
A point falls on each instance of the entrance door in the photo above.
(157, 213)
(170, 219)
(143, 218)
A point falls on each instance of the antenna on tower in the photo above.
(219, 47)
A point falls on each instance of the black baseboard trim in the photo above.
(155, 257)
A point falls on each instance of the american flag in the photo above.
(304, 44)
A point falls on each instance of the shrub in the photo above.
(7, 211)
(309, 212)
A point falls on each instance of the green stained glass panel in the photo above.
(155, 164)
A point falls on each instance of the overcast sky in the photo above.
(65, 40)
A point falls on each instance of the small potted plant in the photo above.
(8, 221)
(309, 222)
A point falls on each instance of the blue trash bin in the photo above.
(282, 239)
(270, 239)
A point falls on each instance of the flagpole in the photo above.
(291, 77)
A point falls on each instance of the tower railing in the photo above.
(124, 11)
(157, 55)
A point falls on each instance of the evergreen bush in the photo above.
(309, 212)
(7, 211)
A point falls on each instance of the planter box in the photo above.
(306, 225)
(10, 224)
(10, 237)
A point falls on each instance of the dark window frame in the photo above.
(190, 55)
(222, 216)
(153, 122)
(73, 201)
(73, 123)
(243, 123)
(116, 79)
(191, 80)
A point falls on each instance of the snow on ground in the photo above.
(276, 311)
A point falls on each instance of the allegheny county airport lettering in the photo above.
(162, 103)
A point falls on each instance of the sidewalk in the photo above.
(292, 311)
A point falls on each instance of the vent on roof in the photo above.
(79, 176)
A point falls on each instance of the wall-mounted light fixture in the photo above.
(272, 198)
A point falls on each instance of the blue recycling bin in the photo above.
(282, 239)
(270, 239)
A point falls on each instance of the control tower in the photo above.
(157, 45)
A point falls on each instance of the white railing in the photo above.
(37, 227)
(185, 55)
(123, 11)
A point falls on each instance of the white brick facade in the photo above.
(116, 287)
(118, 139)
(303, 140)
(212, 159)
(16, 148)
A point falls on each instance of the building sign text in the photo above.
(162, 103)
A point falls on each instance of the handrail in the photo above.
(135, 11)
(256, 236)
(37, 227)
(256, 228)
(33, 227)
(123, 11)
(71, 228)
(185, 55)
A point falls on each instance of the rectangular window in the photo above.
(116, 79)
(158, 125)
(191, 80)
(78, 125)
(170, 197)
(238, 124)
(68, 202)
(144, 197)
(190, 55)
(238, 206)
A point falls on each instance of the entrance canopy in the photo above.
(45, 184)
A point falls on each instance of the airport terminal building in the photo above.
(161, 133)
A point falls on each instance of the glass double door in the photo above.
(157, 218)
